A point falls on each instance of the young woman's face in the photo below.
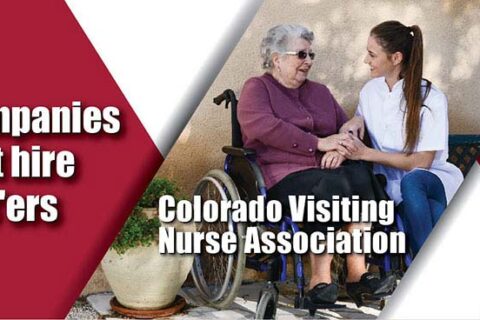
(381, 64)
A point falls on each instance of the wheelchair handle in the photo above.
(219, 99)
(229, 97)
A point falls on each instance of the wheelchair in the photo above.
(218, 277)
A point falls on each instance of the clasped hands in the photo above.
(345, 145)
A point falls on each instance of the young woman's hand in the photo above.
(356, 126)
(331, 160)
(355, 148)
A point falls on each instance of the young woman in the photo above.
(407, 121)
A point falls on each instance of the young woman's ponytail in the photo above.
(396, 37)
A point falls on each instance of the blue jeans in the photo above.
(423, 203)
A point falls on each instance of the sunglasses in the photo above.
(302, 54)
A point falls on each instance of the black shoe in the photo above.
(323, 293)
(370, 285)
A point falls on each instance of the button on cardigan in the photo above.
(283, 125)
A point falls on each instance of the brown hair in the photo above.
(396, 37)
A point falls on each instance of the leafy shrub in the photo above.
(140, 230)
(158, 187)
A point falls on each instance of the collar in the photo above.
(292, 92)
(397, 87)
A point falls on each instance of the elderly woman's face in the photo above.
(291, 69)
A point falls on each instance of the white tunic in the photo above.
(384, 113)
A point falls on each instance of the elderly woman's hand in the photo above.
(354, 148)
(356, 126)
(333, 142)
(331, 160)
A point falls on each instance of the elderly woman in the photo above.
(292, 123)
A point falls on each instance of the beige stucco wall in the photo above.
(452, 61)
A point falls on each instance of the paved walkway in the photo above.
(97, 306)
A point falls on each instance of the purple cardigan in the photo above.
(282, 124)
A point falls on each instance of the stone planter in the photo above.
(143, 279)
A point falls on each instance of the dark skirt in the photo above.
(352, 178)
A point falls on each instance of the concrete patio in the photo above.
(97, 306)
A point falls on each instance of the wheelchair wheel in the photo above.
(218, 277)
(267, 303)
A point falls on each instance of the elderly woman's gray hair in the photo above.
(279, 38)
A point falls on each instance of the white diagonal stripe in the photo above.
(164, 55)
(443, 282)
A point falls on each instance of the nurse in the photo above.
(407, 121)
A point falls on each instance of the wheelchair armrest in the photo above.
(238, 152)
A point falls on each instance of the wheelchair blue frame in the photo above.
(285, 225)
(279, 272)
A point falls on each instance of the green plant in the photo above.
(158, 187)
(140, 230)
